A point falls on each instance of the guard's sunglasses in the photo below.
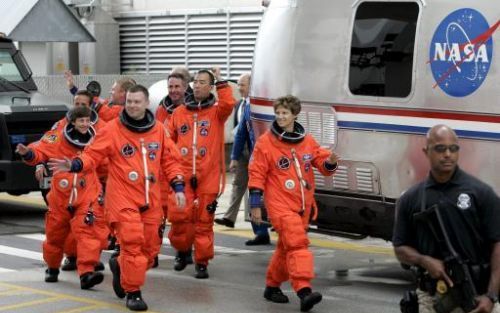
(443, 148)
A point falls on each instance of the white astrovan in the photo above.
(373, 77)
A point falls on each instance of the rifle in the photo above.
(463, 294)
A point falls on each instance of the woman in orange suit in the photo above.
(72, 199)
(280, 169)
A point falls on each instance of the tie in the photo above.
(237, 115)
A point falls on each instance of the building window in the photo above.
(383, 41)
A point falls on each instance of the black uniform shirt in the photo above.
(470, 209)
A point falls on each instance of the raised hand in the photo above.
(22, 149)
(334, 158)
(68, 75)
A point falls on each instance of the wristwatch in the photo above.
(493, 296)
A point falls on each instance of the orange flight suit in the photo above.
(108, 111)
(125, 192)
(59, 222)
(272, 170)
(70, 244)
(195, 225)
(163, 115)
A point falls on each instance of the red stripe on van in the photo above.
(402, 112)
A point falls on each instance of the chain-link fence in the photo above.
(55, 86)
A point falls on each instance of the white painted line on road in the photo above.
(27, 254)
(6, 270)
(166, 242)
(39, 237)
(226, 250)
(222, 250)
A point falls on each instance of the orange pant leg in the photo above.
(70, 245)
(57, 228)
(277, 270)
(88, 243)
(153, 243)
(181, 233)
(204, 232)
(291, 230)
(139, 244)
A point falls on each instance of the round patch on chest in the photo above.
(133, 176)
(289, 184)
(63, 183)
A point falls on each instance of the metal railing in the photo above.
(55, 85)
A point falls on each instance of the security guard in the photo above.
(470, 212)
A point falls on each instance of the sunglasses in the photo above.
(443, 148)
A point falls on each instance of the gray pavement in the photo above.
(354, 276)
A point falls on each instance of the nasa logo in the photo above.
(461, 52)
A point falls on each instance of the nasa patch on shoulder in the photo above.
(463, 201)
(461, 52)
(50, 138)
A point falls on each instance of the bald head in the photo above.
(440, 132)
(442, 152)
(244, 85)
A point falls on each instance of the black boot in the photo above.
(259, 240)
(51, 275)
(189, 256)
(155, 263)
(201, 271)
(90, 279)
(180, 261)
(308, 299)
(274, 294)
(117, 285)
(135, 301)
(69, 263)
(111, 243)
(99, 267)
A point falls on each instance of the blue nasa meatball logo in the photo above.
(461, 52)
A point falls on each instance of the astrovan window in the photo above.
(383, 41)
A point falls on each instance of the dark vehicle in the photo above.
(25, 115)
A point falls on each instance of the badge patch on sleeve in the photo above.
(50, 138)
